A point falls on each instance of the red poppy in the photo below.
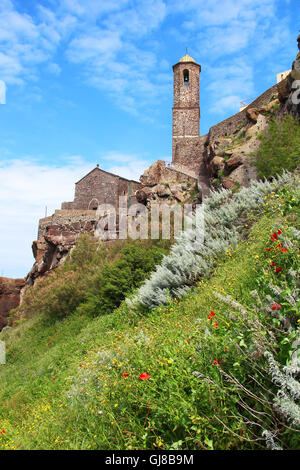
(216, 324)
(3, 432)
(276, 306)
(53, 378)
(80, 365)
(278, 269)
(279, 232)
(268, 249)
(217, 361)
(188, 340)
(273, 264)
(211, 315)
(144, 376)
(284, 250)
(274, 236)
(124, 374)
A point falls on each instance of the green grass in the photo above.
(97, 400)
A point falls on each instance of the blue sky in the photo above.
(91, 82)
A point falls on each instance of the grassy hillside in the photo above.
(192, 374)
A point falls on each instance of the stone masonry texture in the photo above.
(101, 187)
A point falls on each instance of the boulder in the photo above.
(143, 194)
(216, 165)
(252, 114)
(283, 90)
(162, 190)
(227, 183)
(269, 106)
(234, 162)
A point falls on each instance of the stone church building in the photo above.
(101, 187)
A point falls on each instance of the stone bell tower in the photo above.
(186, 114)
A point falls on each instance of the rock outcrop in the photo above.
(161, 184)
(229, 158)
(10, 294)
(57, 235)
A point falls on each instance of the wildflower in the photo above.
(284, 250)
(144, 376)
(278, 269)
(274, 236)
(273, 264)
(124, 375)
(276, 306)
(3, 432)
(53, 378)
(211, 315)
(217, 361)
(268, 249)
(216, 324)
(188, 340)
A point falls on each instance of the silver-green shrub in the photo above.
(191, 258)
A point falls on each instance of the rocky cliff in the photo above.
(57, 235)
(10, 294)
(163, 184)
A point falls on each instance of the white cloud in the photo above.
(53, 68)
(230, 83)
(112, 42)
(126, 165)
(26, 188)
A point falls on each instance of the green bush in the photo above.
(97, 273)
(116, 280)
(279, 149)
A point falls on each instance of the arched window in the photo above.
(186, 77)
(93, 204)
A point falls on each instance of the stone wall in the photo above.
(101, 187)
(230, 125)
